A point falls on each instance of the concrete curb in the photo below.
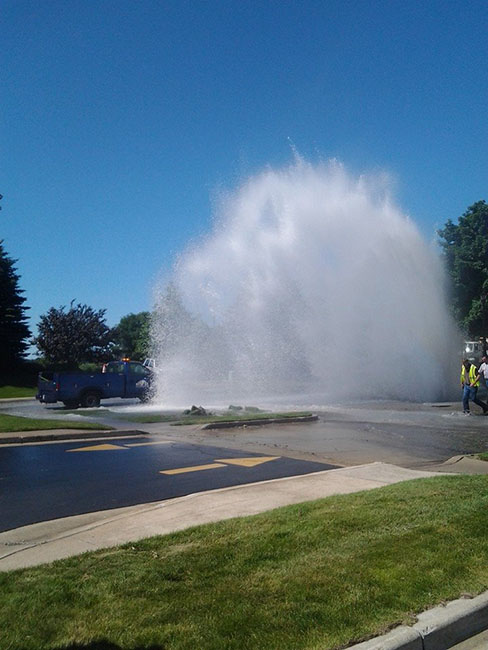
(75, 435)
(454, 459)
(401, 638)
(439, 628)
(252, 423)
(17, 399)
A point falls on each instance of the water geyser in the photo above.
(312, 287)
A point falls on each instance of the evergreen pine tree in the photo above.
(14, 331)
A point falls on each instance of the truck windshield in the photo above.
(137, 369)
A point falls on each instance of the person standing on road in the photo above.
(483, 370)
(470, 383)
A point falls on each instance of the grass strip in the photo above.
(13, 423)
(10, 392)
(314, 575)
(106, 413)
(207, 419)
(102, 412)
(178, 419)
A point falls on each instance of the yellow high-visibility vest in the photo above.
(473, 373)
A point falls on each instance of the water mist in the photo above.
(313, 287)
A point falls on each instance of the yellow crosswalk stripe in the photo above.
(105, 447)
(194, 468)
(222, 462)
(246, 462)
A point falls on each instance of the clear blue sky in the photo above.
(121, 120)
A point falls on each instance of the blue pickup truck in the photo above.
(117, 379)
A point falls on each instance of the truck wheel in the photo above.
(147, 394)
(71, 403)
(91, 400)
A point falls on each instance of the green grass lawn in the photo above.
(311, 576)
(14, 423)
(107, 413)
(9, 392)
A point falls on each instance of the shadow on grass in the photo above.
(105, 645)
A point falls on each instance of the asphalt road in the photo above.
(41, 482)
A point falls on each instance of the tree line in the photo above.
(464, 247)
(69, 336)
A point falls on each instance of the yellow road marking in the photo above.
(105, 447)
(222, 462)
(246, 462)
(195, 468)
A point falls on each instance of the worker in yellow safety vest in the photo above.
(470, 383)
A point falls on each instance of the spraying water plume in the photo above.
(311, 284)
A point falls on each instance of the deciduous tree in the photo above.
(131, 336)
(68, 337)
(465, 252)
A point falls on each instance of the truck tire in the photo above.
(91, 399)
(71, 403)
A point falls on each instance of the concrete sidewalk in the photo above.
(51, 540)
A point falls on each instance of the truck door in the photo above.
(114, 381)
(137, 379)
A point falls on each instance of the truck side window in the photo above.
(137, 369)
